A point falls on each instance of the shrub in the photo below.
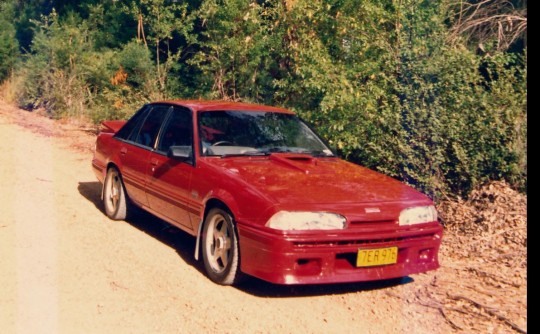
(9, 47)
(379, 79)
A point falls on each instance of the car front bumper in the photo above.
(317, 258)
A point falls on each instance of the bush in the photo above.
(438, 117)
(9, 47)
(132, 83)
(62, 71)
(379, 79)
(68, 77)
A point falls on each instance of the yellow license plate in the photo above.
(376, 257)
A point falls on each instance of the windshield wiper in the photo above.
(280, 149)
(297, 150)
(320, 154)
(245, 154)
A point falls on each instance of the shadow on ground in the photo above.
(92, 192)
(184, 244)
(261, 288)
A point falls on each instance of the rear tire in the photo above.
(220, 248)
(114, 195)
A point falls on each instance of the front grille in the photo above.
(373, 222)
(428, 236)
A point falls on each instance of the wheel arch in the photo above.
(216, 203)
(209, 205)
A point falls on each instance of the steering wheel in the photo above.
(221, 142)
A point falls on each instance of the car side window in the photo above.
(178, 130)
(147, 133)
(133, 123)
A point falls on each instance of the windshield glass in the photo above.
(256, 133)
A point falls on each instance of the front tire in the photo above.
(220, 248)
(114, 195)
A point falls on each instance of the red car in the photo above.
(263, 195)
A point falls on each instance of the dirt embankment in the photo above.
(65, 267)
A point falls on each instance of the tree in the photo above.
(159, 21)
(238, 49)
(393, 84)
(481, 23)
(9, 47)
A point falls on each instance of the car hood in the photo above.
(290, 178)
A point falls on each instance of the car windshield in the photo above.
(227, 133)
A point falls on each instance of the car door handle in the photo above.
(123, 150)
(153, 163)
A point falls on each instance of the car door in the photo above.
(168, 178)
(135, 153)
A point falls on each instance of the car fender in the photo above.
(115, 162)
(221, 196)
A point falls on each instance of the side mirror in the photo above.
(180, 153)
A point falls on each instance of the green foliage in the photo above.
(9, 47)
(136, 61)
(133, 83)
(59, 72)
(159, 21)
(386, 82)
(111, 25)
(412, 107)
(237, 51)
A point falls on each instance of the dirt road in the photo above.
(66, 268)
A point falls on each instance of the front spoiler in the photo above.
(330, 258)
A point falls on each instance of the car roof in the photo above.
(202, 105)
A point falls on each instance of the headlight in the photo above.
(418, 215)
(287, 220)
